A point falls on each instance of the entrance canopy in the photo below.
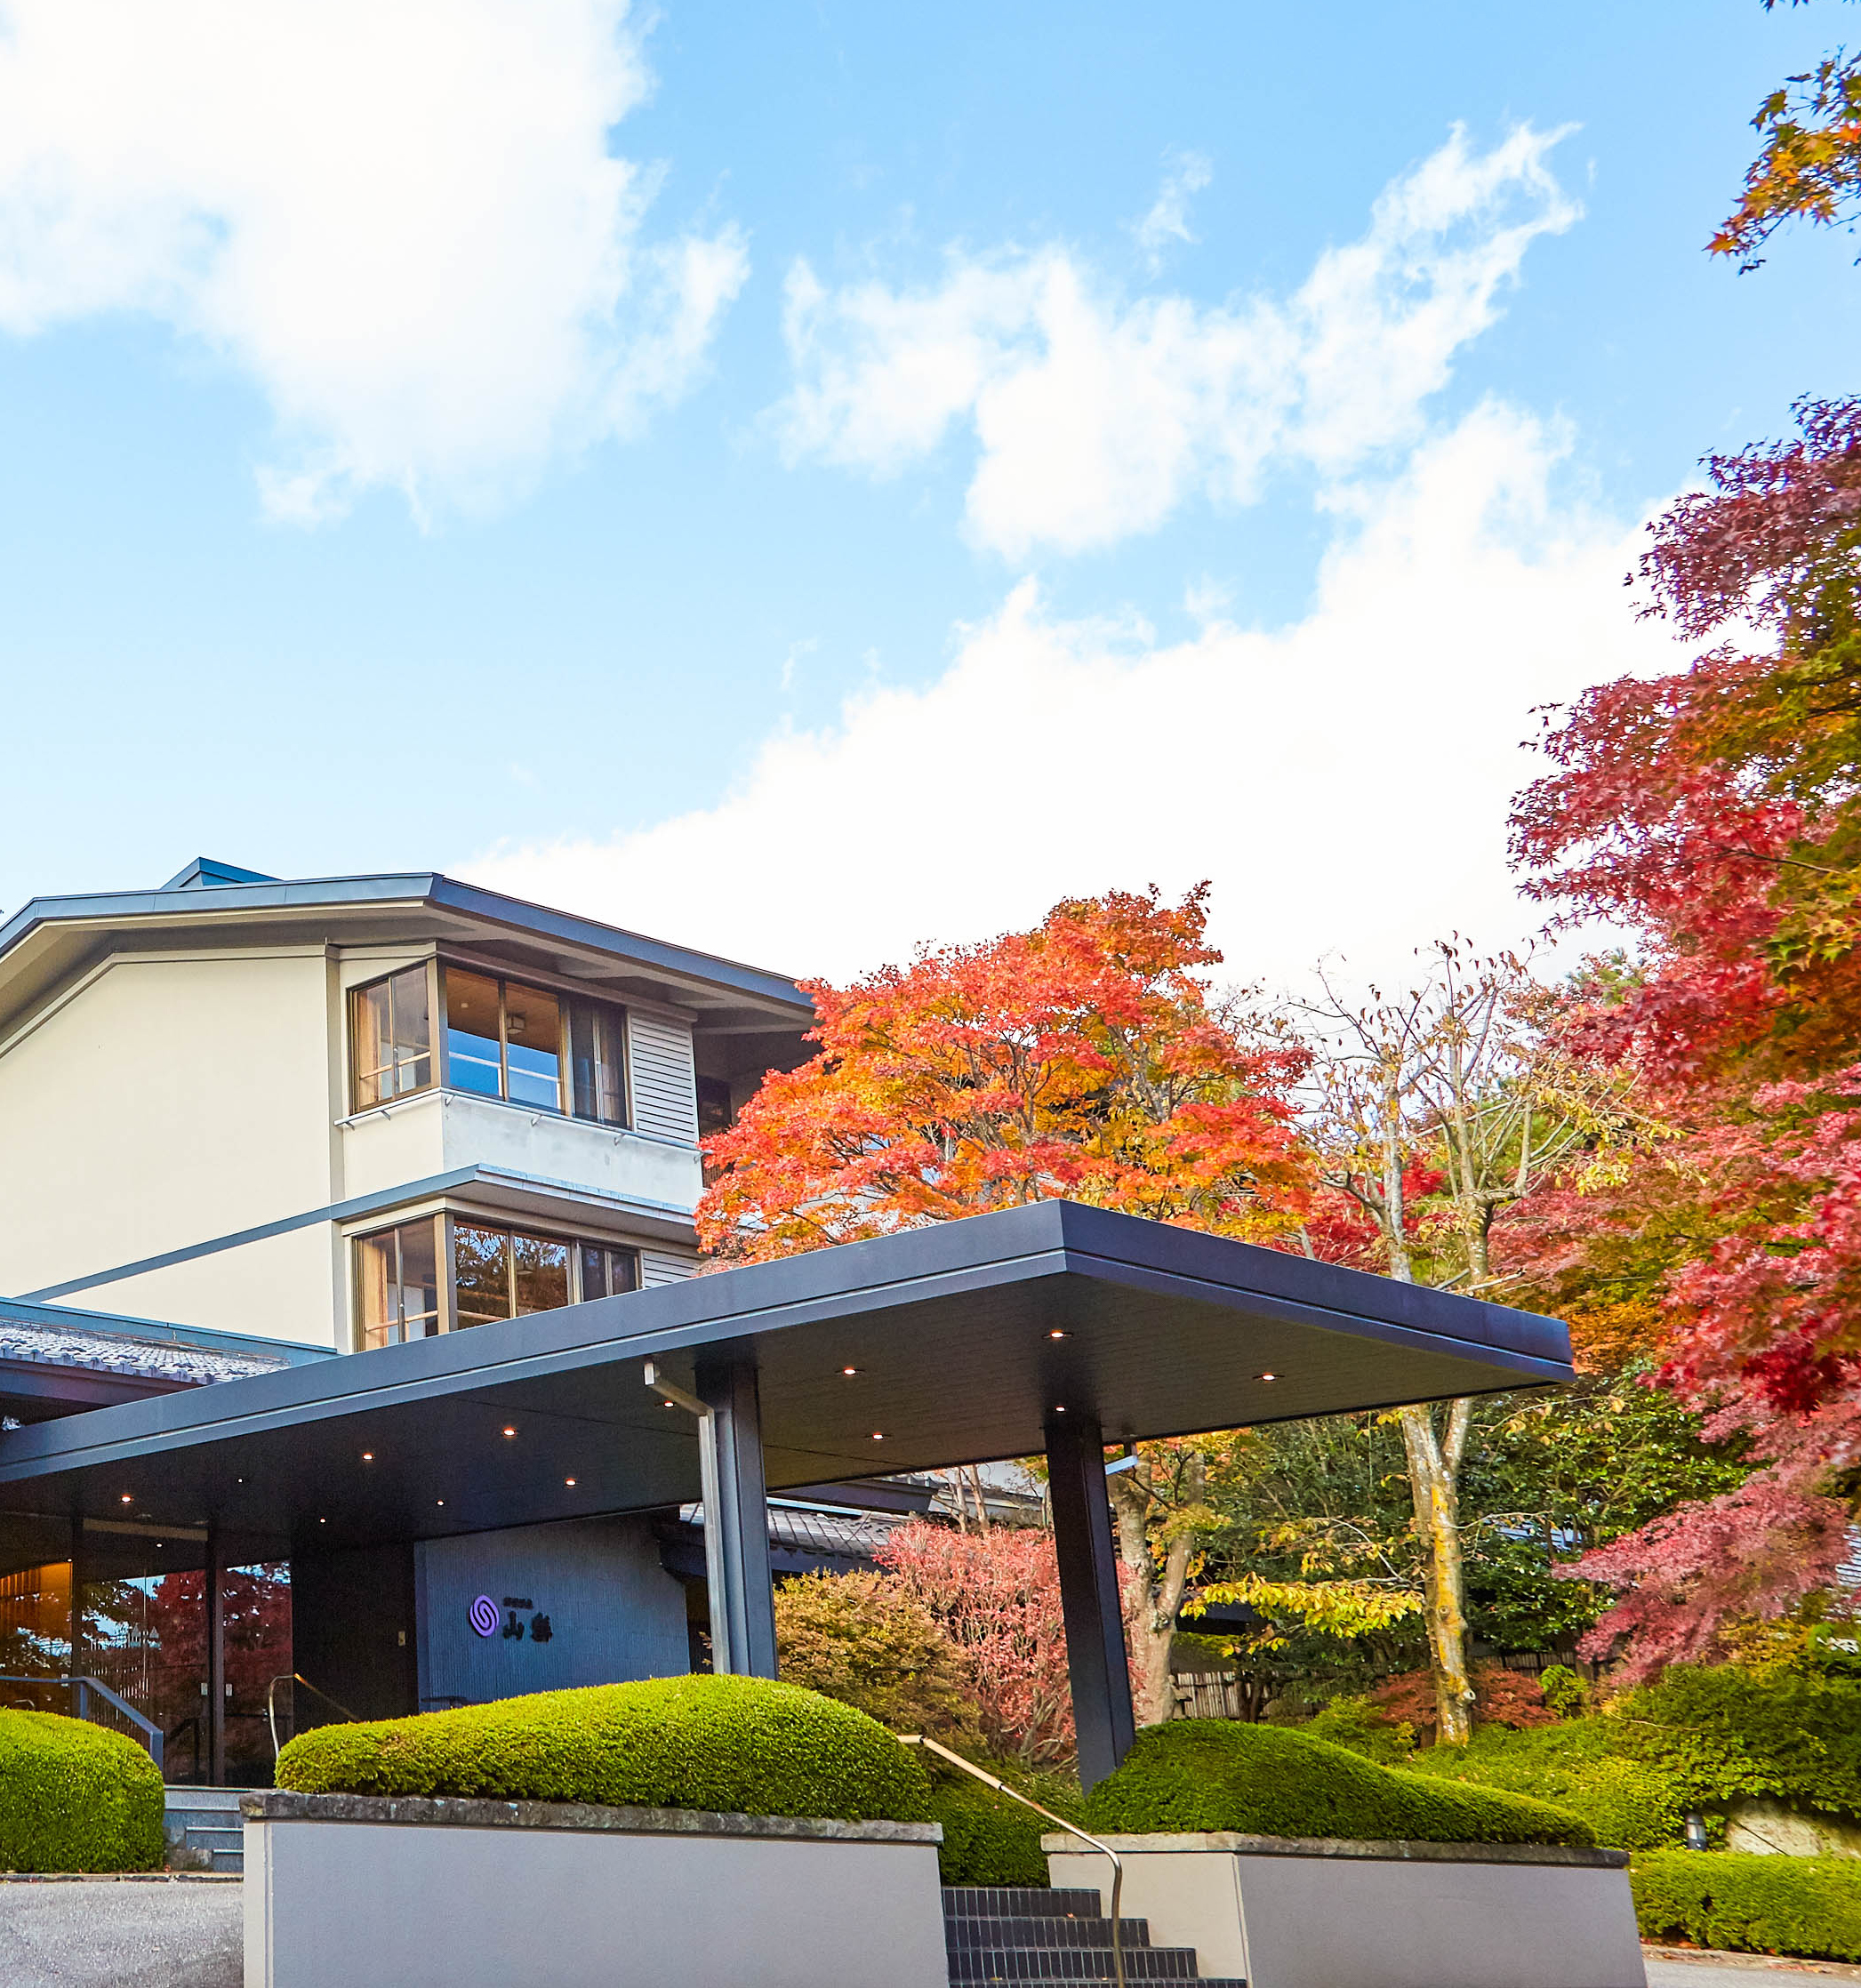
(955, 1343)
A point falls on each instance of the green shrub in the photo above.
(1806, 1906)
(1724, 1732)
(862, 1638)
(988, 1839)
(740, 1744)
(76, 1797)
(1630, 1804)
(1217, 1774)
(1564, 1689)
(1365, 1728)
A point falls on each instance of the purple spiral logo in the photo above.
(483, 1613)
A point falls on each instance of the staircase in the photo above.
(203, 1826)
(1051, 1939)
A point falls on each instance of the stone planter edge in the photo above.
(480, 1812)
(1232, 1842)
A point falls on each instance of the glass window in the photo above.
(540, 1272)
(397, 1283)
(598, 1058)
(474, 1040)
(533, 1047)
(607, 1273)
(481, 1273)
(391, 1039)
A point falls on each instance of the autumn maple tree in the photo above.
(1809, 161)
(1086, 1058)
(1716, 813)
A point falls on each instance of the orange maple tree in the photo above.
(1086, 1059)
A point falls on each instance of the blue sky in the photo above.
(805, 479)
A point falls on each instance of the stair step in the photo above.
(1023, 1937)
(978, 1932)
(1022, 1964)
(1019, 1902)
(233, 1861)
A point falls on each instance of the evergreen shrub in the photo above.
(74, 1795)
(1724, 1732)
(1630, 1804)
(1218, 1774)
(1806, 1905)
(743, 1745)
(988, 1839)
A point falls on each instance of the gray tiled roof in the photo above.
(155, 1359)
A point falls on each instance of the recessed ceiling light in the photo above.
(129, 1498)
(878, 1435)
(439, 1501)
(510, 1432)
(1266, 1376)
(1059, 1407)
(569, 1480)
(1056, 1333)
(368, 1456)
(849, 1370)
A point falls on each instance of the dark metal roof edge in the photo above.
(416, 887)
(1010, 1245)
(203, 1339)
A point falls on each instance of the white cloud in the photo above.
(402, 221)
(1095, 417)
(1345, 780)
(1167, 220)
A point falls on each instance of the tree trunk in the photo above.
(1433, 1483)
(1159, 1600)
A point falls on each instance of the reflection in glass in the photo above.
(533, 1047)
(481, 1274)
(605, 1273)
(397, 1283)
(541, 1273)
(474, 1057)
(391, 1039)
(597, 1036)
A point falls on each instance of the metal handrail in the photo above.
(297, 1677)
(81, 1687)
(1071, 1829)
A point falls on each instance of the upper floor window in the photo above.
(503, 1273)
(529, 1047)
(397, 1283)
(391, 1037)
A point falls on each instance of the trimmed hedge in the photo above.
(1217, 1774)
(74, 1795)
(988, 1839)
(1725, 1733)
(740, 1744)
(1630, 1804)
(1806, 1905)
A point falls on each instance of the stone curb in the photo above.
(1772, 1963)
(282, 1806)
(1229, 1843)
(120, 1878)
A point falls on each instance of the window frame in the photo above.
(435, 1033)
(446, 1221)
(567, 998)
(443, 1279)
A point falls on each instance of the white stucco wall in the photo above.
(165, 1101)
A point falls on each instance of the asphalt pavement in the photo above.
(122, 1933)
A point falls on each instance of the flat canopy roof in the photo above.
(964, 1340)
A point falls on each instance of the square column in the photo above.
(1095, 1663)
(743, 1602)
(215, 1601)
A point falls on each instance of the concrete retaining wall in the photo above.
(1282, 1913)
(441, 1894)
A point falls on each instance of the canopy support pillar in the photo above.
(742, 1599)
(1095, 1663)
(216, 1598)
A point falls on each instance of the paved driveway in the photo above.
(121, 1933)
